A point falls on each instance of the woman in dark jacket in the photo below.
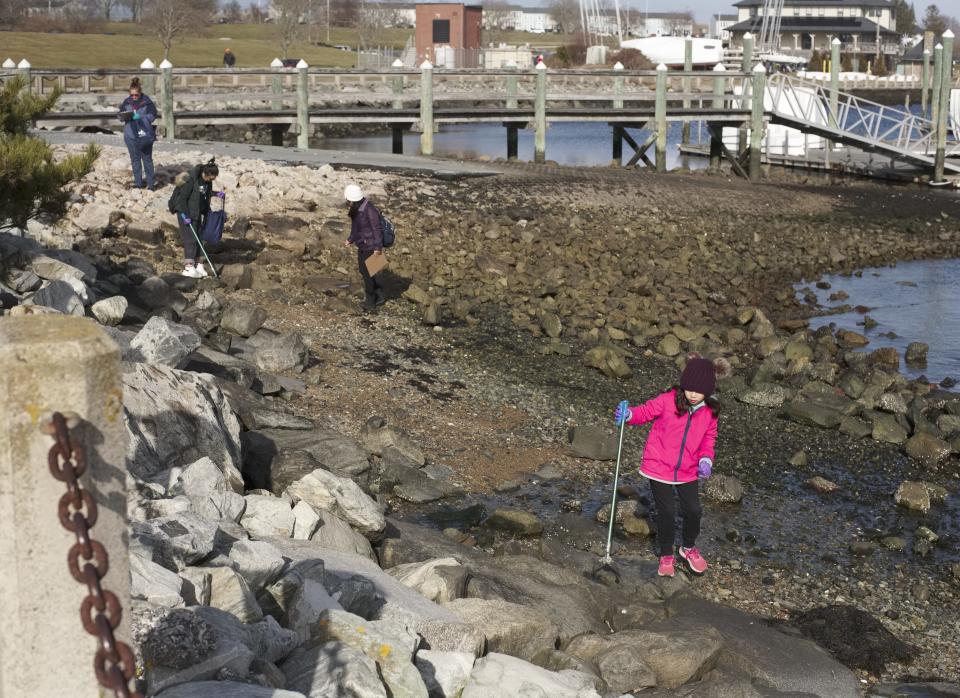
(192, 204)
(138, 133)
(367, 235)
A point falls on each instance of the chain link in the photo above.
(100, 611)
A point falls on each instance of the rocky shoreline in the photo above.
(523, 307)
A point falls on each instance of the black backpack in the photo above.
(173, 203)
(388, 231)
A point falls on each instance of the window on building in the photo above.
(796, 11)
(809, 12)
(822, 11)
(840, 12)
(441, 31)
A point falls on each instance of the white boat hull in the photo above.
(669, 50)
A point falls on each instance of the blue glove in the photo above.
(186, 219)
(136, 116)
(622, 413)
(705, 468)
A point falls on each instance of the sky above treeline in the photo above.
(702, 9)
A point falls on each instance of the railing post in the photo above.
(756, 119)
(746, 65)
(937, 77)
(686, 86)
(946, 83)
(276, 84)
(303, 105)
(397, 129)
(9, 64)
(426, 108)
(68, 365)
(716, 132)
(834, 82)
(540, 116)
(660, 117)
(512, 86)
(149, 70)
(23, 68)
(618, 86)
(166, 100)
(924, 81)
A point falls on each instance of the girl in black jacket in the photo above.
(192, 205)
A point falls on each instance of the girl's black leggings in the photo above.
(689, 496)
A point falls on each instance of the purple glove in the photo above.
(185, 219)
(705, 468)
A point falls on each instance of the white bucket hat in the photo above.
(353, 193)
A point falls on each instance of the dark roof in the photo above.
(820, 3)
(830, 25)
(914, 54)
(724, 17)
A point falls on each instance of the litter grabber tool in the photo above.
(200, 244)
(605, 564)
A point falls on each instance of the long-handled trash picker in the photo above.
(197, 238)
(605, 564)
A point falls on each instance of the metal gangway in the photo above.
(843, 118)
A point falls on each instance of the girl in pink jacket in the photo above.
(679, 450)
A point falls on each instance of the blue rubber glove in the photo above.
(622, 413)
(136, 116)
(705, 468)
(186, 219)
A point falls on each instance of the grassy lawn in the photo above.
(125, 45)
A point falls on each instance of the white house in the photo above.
(719, 25)
(536, 20)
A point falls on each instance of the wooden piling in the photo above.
(618, 144)
(924, 81)
(687, 67)
(513, 141)
(426, 108)
(512, 88)
(937, 77)
(746, 65)
(660, 116)
(759, 86)
(618, 87)
(23, 69)
(834, 82)
(303, 105)
(716, 131)
(166, 100)
(540, 116)
(946, 83)
(149, 74)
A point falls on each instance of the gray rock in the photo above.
(175, 639)
(258, 562)
(892, 402)
(608, 361)
(766, 395)
(61, 296)
(23, 281)
(916, 354)
(927, 448)
(508, 627)
(164, 342)
(675, 656)
(439, 580)
(268, 516)
(272, 458)
(724, 489)
(154, 584)
(913, 495)
(55, 270)
(175, 542)
(332, 670)
(266, 639)
(243, 319)
(306, 521)
(110, 311)
(156, 294)
(229, 592)
(593, 442)
(807, 411)
(93, 218)
(515, 521)
(855, 427)
(336, 534)
(220, 506)
(176, 417)
(501, 676)
(324, 490)
(225, 689)
(282, 353)
(201, 478)
(887, 429)
(412, 484)
(377, 436)
(623, 668)
(444, 673)
(550, 322)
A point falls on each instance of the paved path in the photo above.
(444, 169)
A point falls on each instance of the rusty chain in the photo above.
(100, 611)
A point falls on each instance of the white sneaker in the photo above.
(191, 272)
(201, 272)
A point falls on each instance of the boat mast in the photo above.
(616, 5)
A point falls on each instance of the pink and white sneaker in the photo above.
(694, 560)
(666, 566)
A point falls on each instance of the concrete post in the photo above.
(746, 65)
(660, 116)
(687, 67)
(303, 105)
(166, 100)
(23, 68)
(924, 81)
(426, 108)
(56, 364)
(512, 87)
(540, 116)
(618, 86)
(937, 77)
(716, 133)
(946, 83)
(397, 86)
(9, 64)
(276, 84)
(149, 76)
(756, 119)
(834, 82)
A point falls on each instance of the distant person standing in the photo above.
(139, 112)
(229, 59)
(367, 234)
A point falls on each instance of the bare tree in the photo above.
(135, 7)
(255, 13)
(232, 11)
(289, 17)
(106, 8)
(680, 23)
(566, 13)
(171, 19)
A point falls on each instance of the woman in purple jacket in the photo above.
(138, 134)
(679, 450)
(367, 234)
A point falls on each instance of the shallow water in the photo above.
(917, 301)
(583, 144)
